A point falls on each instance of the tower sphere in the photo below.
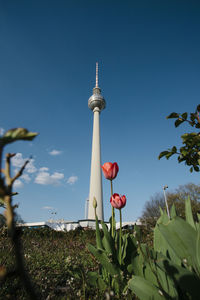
(96, 100)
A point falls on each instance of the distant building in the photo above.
(68, 225)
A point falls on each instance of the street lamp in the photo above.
(164, 188)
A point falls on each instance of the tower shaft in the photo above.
(96, 103)
(95, 176)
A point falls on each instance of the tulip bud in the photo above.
(94, 202)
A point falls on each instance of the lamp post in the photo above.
(86, 208)
(164, 188)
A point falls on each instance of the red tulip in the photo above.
(110, 170)
(118, 201)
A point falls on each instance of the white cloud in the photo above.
(18, 184)
(72, 179)
(44, 169)
(55, 152)
(30, 168)
(47, 207)
(2, 131)
(45, 178)
(18, 161)
(26, 177)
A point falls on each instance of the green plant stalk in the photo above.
(120, 238)
(113, 212)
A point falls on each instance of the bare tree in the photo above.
(176, 197)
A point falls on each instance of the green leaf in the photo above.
(198, 250)
(93, 276)
(192, 117)
(196, 168)
(144, 290)
(102, 257)
(15, 134)
(181, 237)
(102, 285)
(96, 280)
(178, 122)
(174, 149)
(173, 211)
(108, 241)
(163, 153)
(198, 216)
(197, 125)
(173, 115)
(184, 116)
(169, 155)
(198, 108)
(185, 279)
(98, 235)
(160, 243)
(188, 213)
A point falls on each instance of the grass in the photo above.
(57, 262)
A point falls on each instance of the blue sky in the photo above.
(149, 66)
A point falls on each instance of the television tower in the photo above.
(96, 103)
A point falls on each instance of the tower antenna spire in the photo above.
(97, 78)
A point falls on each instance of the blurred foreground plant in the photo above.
(6, 193)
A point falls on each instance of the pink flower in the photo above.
(118, 201)
(110, 170)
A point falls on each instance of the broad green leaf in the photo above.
(15, 134)
(198, 216)
(173, 211)
(185, 279)
(160, 243)
(137, 265)
(161, 211)
(181, 237)
(108, 241)
(165, 281)
(198, 250)
(188, 213)
(148, 268)
(144, 290)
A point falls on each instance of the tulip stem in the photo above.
(120, 238)
(113, 212)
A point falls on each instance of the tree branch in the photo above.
(20, 171)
